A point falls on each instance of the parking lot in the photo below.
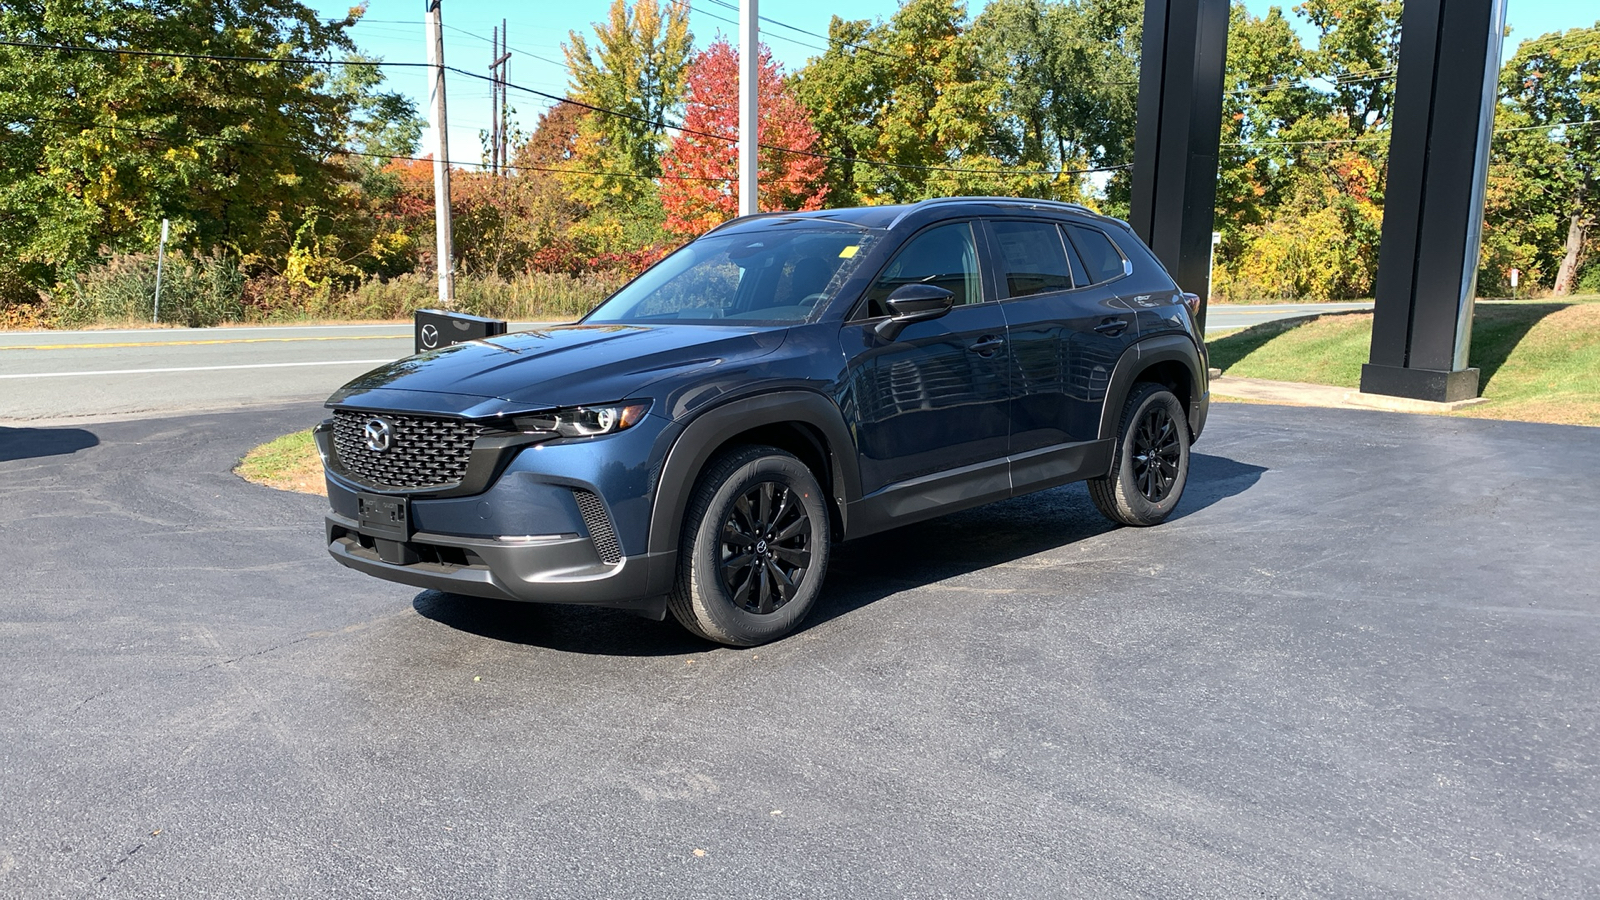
(1360, 662)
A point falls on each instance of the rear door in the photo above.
(936, 397)
(1067, 331)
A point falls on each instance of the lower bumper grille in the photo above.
(599, 525)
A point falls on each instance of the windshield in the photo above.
(771, 276)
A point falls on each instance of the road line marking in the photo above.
(331, 362)
(288, 340)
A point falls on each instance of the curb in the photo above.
(1298, 394)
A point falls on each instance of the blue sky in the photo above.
(392, 29)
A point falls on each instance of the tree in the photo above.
(901, 104)
(1304, 150)
(700, 188)
(98, 147)
(634, 75)
(1069, 83)
(1550, 86)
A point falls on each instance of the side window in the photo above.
(944, 255)
(1100, 257)
(1032, 258)
(1080, 275)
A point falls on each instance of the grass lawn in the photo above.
(1540, 360)
(288, 463)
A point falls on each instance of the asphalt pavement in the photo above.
(1359, 663)
(73, 374)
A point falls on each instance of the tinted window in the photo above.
(777, 275)
(1100, 256)
(943, 255)
(1032, 258)
(1080, 276)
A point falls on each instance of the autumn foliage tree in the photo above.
(700, 187)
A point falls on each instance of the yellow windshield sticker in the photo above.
(849, 251)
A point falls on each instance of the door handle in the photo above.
(1112, 327)
(987, 345)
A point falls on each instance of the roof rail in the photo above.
(1010, 201)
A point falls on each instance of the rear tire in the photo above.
(754, 549)
(1150, 463)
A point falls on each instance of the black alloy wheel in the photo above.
(1156, 453)
(765, 548)
(1149, 462)
(753, 553)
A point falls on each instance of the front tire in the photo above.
(754, 549)
(1150, 464)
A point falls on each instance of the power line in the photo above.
(1311, 82)
(658, 123)
(1372, 139)
(67, 48)
(826, 37)
(342, 151)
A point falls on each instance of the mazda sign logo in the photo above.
(430, 336)
(379, 434)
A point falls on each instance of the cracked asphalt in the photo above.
(1361, 663)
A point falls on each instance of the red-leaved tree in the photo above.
(788, 180)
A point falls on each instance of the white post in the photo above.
(749, 75)
(161, 258)
(441, 159)
(1211, 267)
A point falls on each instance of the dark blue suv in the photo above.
(697, 442)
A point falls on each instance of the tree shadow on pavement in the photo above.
(28, 443)
(860, 573)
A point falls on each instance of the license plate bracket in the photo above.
(384, 516)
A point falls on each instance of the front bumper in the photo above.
(554, 522)
(567, 569)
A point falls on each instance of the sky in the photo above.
(393, 31)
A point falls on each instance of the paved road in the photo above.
(1361, 663)
(99, 373)
(96, 373)
(1222, 317)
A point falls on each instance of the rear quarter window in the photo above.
(1101, 259)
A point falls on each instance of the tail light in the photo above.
(1193, 302)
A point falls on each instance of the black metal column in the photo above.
(1181, 67)
(1433, 203)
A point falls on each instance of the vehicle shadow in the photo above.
(867, 570)
(860, 573)
(569, 629)
(28, 443)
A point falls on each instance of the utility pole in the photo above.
(441, 159)
(494, 101)
(499, 144)
(749, 74)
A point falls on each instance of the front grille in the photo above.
(599, 525)
(425, 452)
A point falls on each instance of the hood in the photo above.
(567, 365)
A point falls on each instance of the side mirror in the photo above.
(913, 303)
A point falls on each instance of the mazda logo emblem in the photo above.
(430, 336)
(379, 434)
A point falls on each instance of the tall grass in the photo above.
(195, 291)
(205, 291)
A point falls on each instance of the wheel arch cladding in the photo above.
(803, 423)
(1171, 360)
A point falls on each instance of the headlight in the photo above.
(583, 421)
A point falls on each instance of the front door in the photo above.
(936, 397)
